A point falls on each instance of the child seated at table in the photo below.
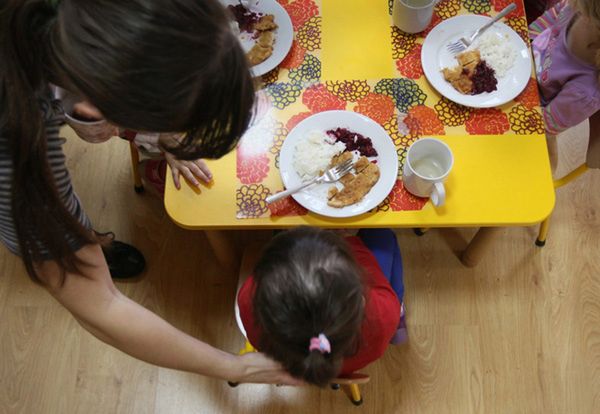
(566, 49)
(324, 305)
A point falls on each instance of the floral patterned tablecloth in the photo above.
(406, 105)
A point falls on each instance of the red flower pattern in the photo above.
(287, 207)
(501, 4)
(296, 119)
(379, 108)
(252, 169)
(402, 200)
(411, 66)
(295, 57)
(487, 121)
(300, 11)
(317, 98)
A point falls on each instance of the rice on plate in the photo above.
(496, 51)
(313, 154)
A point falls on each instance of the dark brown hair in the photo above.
(152, 65)
(307, 283)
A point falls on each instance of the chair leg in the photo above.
(135, 165)
(353, 392)
(543, 234)
(420, 231)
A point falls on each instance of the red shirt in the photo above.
(382, 313)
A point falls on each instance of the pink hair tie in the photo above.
(320, 343)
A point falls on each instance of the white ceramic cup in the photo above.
(428, 162)
(91, 131)
(412, 16)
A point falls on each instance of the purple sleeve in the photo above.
(572, 105)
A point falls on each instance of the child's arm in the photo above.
(571, 106)
(546, 20)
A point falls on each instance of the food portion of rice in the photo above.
(313, 154)
(496, 51)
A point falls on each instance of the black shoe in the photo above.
(124, 260)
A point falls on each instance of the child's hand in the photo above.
(191, 170)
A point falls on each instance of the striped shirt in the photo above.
(53, 119)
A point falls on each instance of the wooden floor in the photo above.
(518, 334)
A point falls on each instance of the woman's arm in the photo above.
(96, 303)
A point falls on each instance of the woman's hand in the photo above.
(191, 170)
(258, 368)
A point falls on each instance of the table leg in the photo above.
(478, 245)
(224, 248)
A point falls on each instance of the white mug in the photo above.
(412, 16)
(91, 131)
(428, 162)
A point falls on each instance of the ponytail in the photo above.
(44, 226)
(309, 303)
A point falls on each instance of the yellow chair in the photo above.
(592, 160)
(349, 383)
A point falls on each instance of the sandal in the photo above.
(124, 261)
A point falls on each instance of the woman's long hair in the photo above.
(307, 283)
(151, 65)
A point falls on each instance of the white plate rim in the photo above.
(432, 72)
(386, 181)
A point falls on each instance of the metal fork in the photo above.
(463, 43)
(330, 176)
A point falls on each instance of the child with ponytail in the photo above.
(321, 304)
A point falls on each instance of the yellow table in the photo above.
(346, 55)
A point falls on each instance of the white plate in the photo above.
(284, 34)
(314, 198)
(435, 57)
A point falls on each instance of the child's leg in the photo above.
(384, 246)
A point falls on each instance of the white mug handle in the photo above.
(438, 195)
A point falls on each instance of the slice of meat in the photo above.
(265, 39)
(266, 22)
(347, 178)
(259, 54)
(361, 164)
(468, 57)
(332, 192)
(356, 189)
(340, 158)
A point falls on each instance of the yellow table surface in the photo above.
(497, 180)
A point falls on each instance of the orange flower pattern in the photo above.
(379, 108)
(530, 97)
(526, 121)
(309, 35)
(318, 98)
(422, 120)
(350, 91)
(411, 66)
(487, 121)
(402, 200)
